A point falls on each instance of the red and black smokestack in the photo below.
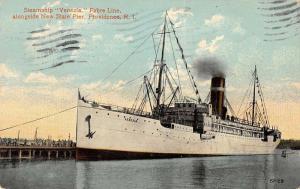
(217, 96)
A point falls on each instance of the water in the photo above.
(270, 171)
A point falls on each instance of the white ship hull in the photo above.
(116, 135)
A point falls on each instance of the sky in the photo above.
(39, 78)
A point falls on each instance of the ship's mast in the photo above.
(159, 91)
(253, 101)
(35, 134)
(160, 75)
(18, 135)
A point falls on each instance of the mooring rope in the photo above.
(37, 119)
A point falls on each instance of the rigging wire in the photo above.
(132, 80)
(207, 98)
(138, 77)
(154, 47)
(139, 17)
(230, 107)
(136, 98)
(164, 84)
(127, 58)
(244, 97)
(135, 40)
(175, 62)
(137, 26)
(37, 119)
(142, 31)
(260, 114)
(193, 83)
(263, 104)
(168, 70)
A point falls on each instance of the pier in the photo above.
(12, 149)
(36, 152)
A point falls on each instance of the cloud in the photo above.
(29, 103)
(204, 83)
(103, 86)
(97, 37)
(6, 72)
(211, 47)
(238, 29)
(215, 20)
(121, 37)
(51, 4)
(178, 15)
(39, 77)
(295, 85)
(231, 88)
(118, 85)
(110, 92)
(91, 86)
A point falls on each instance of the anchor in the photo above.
(90, 133)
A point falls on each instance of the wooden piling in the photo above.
(20, 154)
(9, 153)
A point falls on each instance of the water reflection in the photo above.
(198, 173)
(5, 164)
(209, 172)
(81, 175)
(165, 174)
(37, 174)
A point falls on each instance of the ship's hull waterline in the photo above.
(108, 134)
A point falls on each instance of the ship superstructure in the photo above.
(176, 125)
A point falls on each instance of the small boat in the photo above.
(284, 154)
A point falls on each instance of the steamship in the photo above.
(163, 123)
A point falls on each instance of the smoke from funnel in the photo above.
(208, 67)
